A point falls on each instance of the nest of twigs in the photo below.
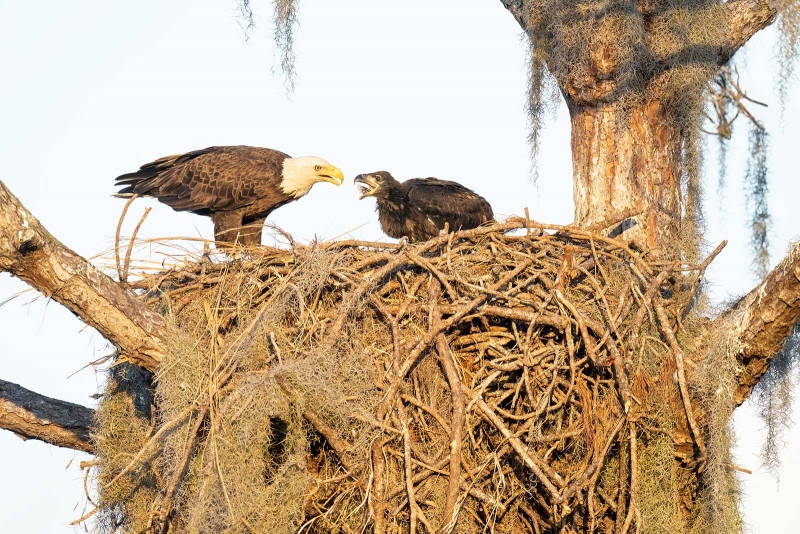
(516, 378)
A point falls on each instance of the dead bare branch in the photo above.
(30, 415)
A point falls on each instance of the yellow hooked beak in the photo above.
(333, 175)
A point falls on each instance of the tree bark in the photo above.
(29, 252)
(762, 321)
(628, 157)
(745, 19)
(635, 168)
(33, 416)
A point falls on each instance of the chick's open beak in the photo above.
(367, 185)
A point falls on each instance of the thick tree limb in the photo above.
(29, 252)
(515, 8)
(763, 320)
(33, 416)
(745, 19)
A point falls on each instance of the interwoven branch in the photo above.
(504, 379)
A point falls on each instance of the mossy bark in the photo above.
(633, 75)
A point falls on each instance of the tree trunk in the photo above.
(627, 140)
(628, 161)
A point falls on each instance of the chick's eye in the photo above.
(317, 167)
(379, 178)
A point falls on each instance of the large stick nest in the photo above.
(516, 378)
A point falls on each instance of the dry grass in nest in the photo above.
(502, 379)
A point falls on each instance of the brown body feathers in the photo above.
(420, 208)
(237, 186)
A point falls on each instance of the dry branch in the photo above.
(762, 321)
(33, 416)
(29, 252)
(745, 19)
(458, 396)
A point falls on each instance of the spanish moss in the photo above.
(285, 24)
(756, 188)
(788, 49)
(773, 397)
(543, 98)
(722, 168)
(248, 19)
(693, 224)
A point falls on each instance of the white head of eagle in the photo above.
(299, 174)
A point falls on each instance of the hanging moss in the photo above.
(285, 21)
(756, 188)
(773, 396)
(788, 48)
(285, 25)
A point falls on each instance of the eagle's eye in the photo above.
(378, 178)
(317, 167)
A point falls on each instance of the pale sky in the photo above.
(93, 89)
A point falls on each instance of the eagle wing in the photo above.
(208, 180)
(442, 201)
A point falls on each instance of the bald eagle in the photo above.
(237, 186)
(418, 209)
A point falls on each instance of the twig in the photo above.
(668, 333)
(458, 397)
(413, 507)
(634, 487)
(518, 446)
(124, 278)
(377, 500)
(165, 506)
(118, 235)
(740, 469)
(166, 427)
(579, 482)
(85, 516)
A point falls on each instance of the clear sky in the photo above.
(91, 89)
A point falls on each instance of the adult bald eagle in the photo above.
(419, 208)
(237, 186)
